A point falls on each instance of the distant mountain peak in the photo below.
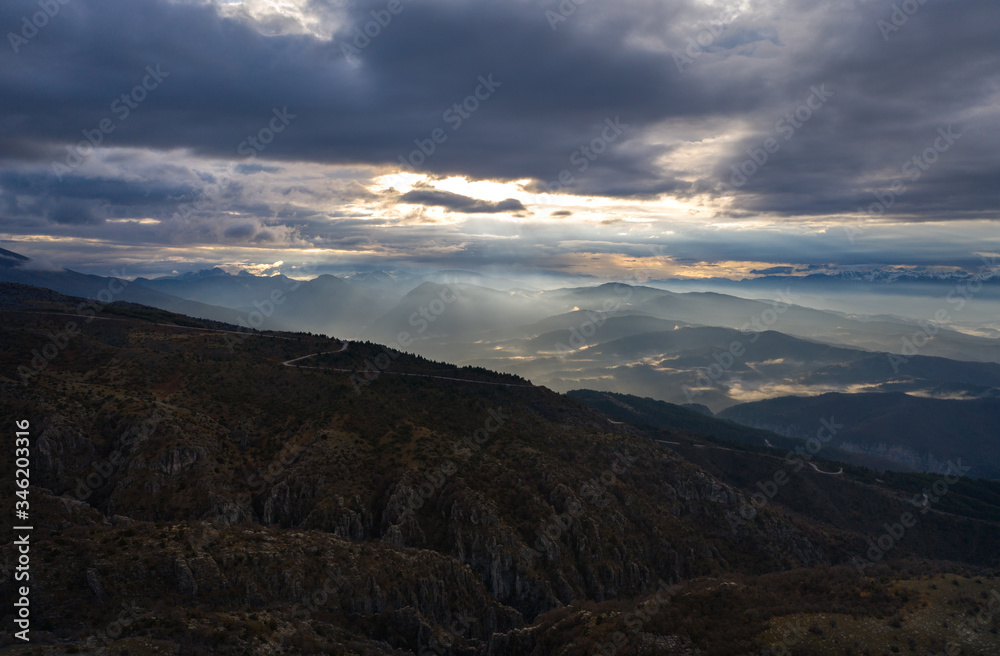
(205, 273)
(12, 255)
(374, 276)
(10, 259)
(889, 276)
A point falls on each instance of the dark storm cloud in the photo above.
(533, 102)
(116, 191)
(891, 99)
(223, 81)
(241, 231)
(36, 197)
(249, 169)
(773, 271)
(458, 202)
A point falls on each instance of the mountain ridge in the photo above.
(223, 468)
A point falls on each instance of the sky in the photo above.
(617, 139)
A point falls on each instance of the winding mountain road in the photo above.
(289, 363)
(820, 471)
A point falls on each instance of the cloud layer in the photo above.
(229, 124)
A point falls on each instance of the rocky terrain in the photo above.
(202, 489)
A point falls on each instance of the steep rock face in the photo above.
(513, 643)
(399, 523)
(185, 578)
(227, 510)
(414, 599)
(95, 585)
(507, 567)
(61, 447)
(765, 532)
(288, 502)
(178, 459)
(582, 546)
(577, 530)
(351, 520)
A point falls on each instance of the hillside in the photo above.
(919, 434)
(659, 414)
(260, 492)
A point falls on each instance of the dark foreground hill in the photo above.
(643, 411)
(196, 490)
(907, 432)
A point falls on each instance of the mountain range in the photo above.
(218, 490)
(707, 348)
